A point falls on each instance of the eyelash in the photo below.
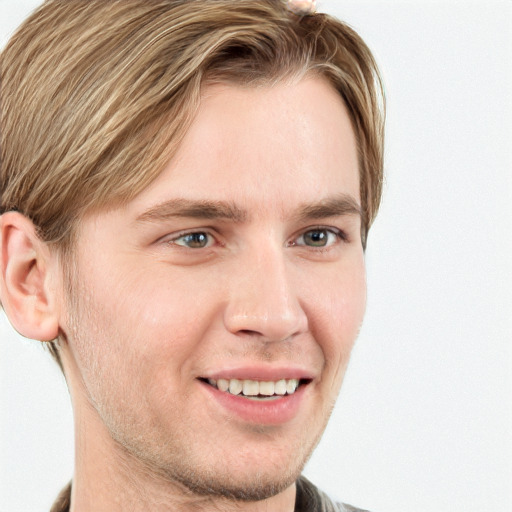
(174, 240)
(340, 236)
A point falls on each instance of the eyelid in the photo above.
(340, 234)
(171, 238)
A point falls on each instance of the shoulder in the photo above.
(312, 499)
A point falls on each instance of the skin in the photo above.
(154, 312)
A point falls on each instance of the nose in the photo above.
(264, 300)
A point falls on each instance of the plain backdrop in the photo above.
(424, 420)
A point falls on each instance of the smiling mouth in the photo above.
(257, 390)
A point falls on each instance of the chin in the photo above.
(248, 472)
(245, 471)
(254, 486)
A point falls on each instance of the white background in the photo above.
(424, 420)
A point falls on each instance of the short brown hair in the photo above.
(96, 95)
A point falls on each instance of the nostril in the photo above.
(264, 338)
(249, 332)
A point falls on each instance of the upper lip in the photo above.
(261, 373)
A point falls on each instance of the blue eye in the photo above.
(319, 237)
(198, 240)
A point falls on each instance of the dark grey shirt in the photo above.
(311, 499)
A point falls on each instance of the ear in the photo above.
(25, 281)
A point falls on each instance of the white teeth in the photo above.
(235, 386)
(253, 388)
(280, 387)
(291, 385)
(266, 388)
(223, 384)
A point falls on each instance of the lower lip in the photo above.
(262, 412)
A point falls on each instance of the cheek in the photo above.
(132, 336)
(340, 308)
(155, 319)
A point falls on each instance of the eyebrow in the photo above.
(202, 209)
(335, 206)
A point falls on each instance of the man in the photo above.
(187, 188)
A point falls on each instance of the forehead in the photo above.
(285, 143)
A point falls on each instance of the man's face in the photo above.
(239, 271)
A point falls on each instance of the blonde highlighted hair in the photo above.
(96, 95)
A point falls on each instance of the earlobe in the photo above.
(25, 291)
